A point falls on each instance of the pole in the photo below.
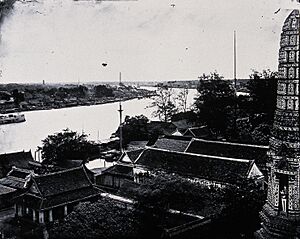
(234, 76)
(120, 113)
(234, 59)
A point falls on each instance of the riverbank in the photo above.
(19, 98)
(75, 104)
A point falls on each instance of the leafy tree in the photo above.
(101, 219)
(18, 96)
(215, 103)
(135, 128)
(240, 217)
(230, 206)
(164, 103)
(263, 91)
(182, 99)
(261, 134)
(103, 91)
(67, 145)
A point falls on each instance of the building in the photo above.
(20, 159)
(205, 169)
(52, 196)
(258, 153)
(281, 214)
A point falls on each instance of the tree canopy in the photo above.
(67, 145)
(164, 103)
(135, 128)
(215, 102)
(101, 219)
(263, 91)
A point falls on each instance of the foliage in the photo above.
(182, 99)
(165, 191)
(67, 145)
(135, 128)
(263, 91)
(17, 96)
(101, 219)
(241, 214)
(229, 206)
(215, 103)
(165, 104)
(103, 91)
(261, 134)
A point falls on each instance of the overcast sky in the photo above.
(67, 41)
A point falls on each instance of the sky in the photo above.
(147, 40)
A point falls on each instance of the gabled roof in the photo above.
(19, 159)
(173, 144)
(198, 132)
(128, 157)
(4, 190)
(16, 178)
(220, 169)
(60, 188)
(118, 169)
(227, 149)
(161, 127)
(62, 181)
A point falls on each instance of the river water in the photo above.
(97, 121)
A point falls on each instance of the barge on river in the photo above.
(12, 118)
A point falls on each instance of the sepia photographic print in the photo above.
(144, 119)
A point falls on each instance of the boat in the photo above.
(12, 118)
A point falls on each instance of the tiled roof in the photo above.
(16, 178)
(60, 188)
(199, 166)
(18, 159)
(226, 149)
(172, 144)
(61, 199)
(6, 190)
(19, 173)
(133, 155)
(119, 170)
(198, 132)
(161, 127)
(62, 181)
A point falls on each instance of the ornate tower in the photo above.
(281, 214)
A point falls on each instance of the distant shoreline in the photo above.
(78, 104)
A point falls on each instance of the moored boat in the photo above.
(12, 118)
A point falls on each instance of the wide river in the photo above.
(97, 121)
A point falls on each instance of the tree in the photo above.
(164, 103)
(263, 91)
(182, 99)
(241, 214)
(135, 128)
(18, 96)
(215, 103)
(103, 91)
(101, 219)
(67, 145)
(234, 208)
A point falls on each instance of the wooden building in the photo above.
(52, 196)
(20, 159)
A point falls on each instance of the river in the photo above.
(97, 121)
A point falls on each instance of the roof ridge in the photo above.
(59, 172)
(232, 143)
(203, 155)
(17, 152)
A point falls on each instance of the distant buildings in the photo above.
(202, 161)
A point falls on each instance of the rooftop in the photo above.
(213, 168)
(173, 144)
(227, 149)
